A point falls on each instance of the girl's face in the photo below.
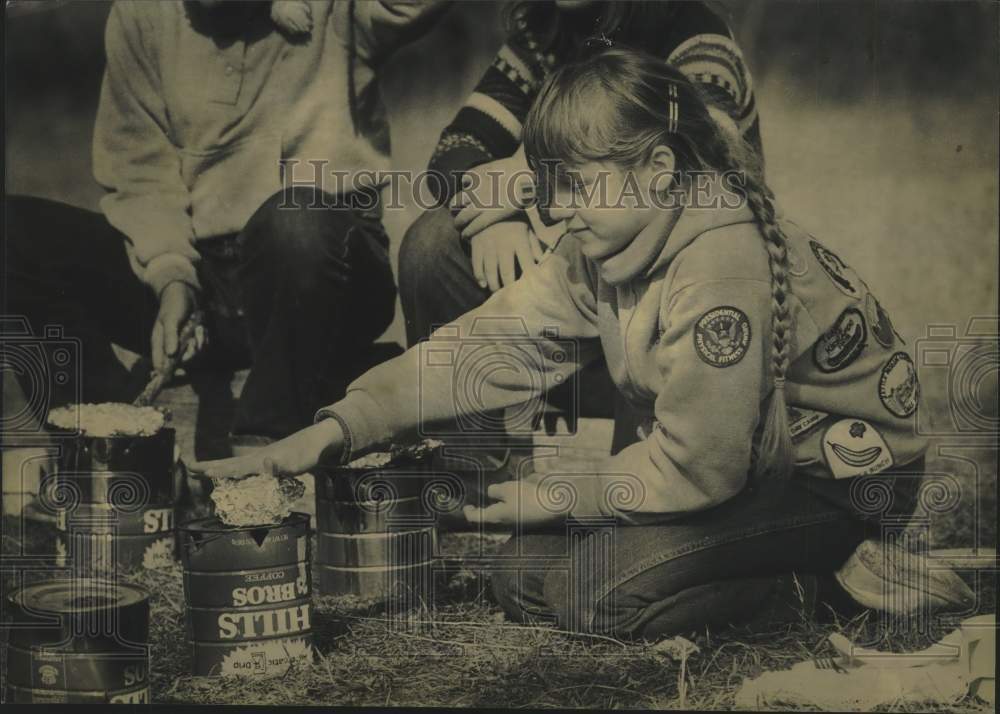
(605, 205)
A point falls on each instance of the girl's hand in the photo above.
(497, 249)
(492, 192)
(519, 502)
(296, 454)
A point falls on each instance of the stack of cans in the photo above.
(375, 532)
(77, 642)
(247, 592)
(113, 499)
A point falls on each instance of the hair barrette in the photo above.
(673, 110)
(603, 42)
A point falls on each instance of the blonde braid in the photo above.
(775, 457)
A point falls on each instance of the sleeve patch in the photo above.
(878, 320)
(843, 343)
(855, 448)
(722, 336)
(837, 270)
(898, 387)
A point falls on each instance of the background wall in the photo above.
(879, 123)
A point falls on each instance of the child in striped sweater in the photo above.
(455, 256)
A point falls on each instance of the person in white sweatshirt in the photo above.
(219, 128)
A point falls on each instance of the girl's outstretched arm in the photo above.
(527, 338)
(295, 454)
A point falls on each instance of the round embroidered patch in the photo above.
(843, 343)
(722, 336)
(838, 271)
(878, 320)
(898, 387)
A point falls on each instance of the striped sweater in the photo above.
(693, 39)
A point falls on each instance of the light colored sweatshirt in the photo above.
(191, 129)
(683, 317)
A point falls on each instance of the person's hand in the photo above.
(178, 303)
(491, 192)
(526, 502)
(497, 249)
(295, 17)
(296, 454)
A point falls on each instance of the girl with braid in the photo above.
(778, 402)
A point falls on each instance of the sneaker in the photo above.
(894, 580)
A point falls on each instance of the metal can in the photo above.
(239, 588)
(247, 592)
(375, 519)
(21, 695)
(79, 615)
(263, 658)
(151, 455)
(365, 516)
(241, 624)
(208, 545)
(106, 518)
(385, 549)
(103, 553)
(60, 669)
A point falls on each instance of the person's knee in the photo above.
(520, 591)
(427, 245)
(297, 228)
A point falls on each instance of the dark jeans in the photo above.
(759, 558)
(300, 294)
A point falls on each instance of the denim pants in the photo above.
(299, 295)
(761, 558)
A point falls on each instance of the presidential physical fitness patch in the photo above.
(722, 336)
(878, 320)
(898, 387)
(842, 275)
(853, 447)
(841, 344)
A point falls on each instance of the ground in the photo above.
(464, 652)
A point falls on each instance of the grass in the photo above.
(463, 652)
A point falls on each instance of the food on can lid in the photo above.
(108, 419)
(257, 500)
(396, 452)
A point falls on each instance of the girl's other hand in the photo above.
(296, 454)
(491, 192)
(518, 502)
(497, 249)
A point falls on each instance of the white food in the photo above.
(108, 419)
(257, 500)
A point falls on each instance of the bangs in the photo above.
(586, 112)
(568, 124)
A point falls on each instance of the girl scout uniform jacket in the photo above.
(683, 316)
